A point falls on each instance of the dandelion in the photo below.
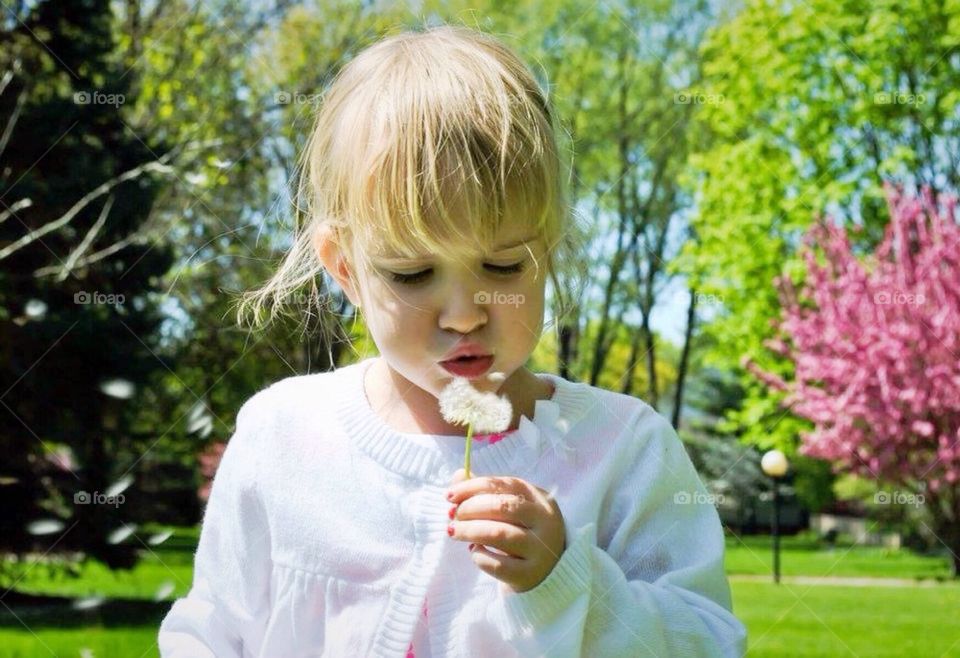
(461, 404)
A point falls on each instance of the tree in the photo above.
(191, 69)
(822, 100)
(875, 350)
(76, 326)
(617, 76)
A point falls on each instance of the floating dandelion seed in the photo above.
(160, 537)
(35, 309)
(63, 458)
(45, 527)
(461, 404)
(88, 603)
(119, 486)
(119, 388)
(165, 590)
(119, 534)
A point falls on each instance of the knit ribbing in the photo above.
(408, 455)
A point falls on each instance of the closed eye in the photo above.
(418, 277)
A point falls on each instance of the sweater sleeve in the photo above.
(226, 609)
(656, 588)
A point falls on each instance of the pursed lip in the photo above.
(469, 349)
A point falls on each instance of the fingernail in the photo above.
(452, 512)
(449, 495)
(450, 530)
(471, 547)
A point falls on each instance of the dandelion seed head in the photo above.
(461, 404)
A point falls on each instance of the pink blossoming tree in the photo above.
(875, 347)
(209, 460)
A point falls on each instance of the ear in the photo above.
(334, 258)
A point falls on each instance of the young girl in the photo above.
(340, 522)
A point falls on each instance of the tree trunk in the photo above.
(566, 337)
(619, 256)
(650, 340)
(944, 508)
(627, 387)
(684, 359)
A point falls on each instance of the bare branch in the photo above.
(140, 236)
(87, 240)
(12, 120)
(19, 205)
(160, 166)
(5, 80)
(94, 257)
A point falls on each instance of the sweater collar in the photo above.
(434, 458)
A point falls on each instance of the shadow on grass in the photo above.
(61, 612)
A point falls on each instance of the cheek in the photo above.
(397, 304)
(523, 317)
(385, 316)
(402, 327)
(534, 320)
(536, 306)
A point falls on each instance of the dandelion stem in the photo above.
(466, 459)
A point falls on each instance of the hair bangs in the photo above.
(451, 146)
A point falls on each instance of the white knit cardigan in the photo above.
(325, 532)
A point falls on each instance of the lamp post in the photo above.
(774, 464)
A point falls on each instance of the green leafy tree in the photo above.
(821, 102)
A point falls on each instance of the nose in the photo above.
(463, 308)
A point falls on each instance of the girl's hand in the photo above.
(512, 516)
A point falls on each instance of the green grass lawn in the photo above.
(781, 620)
(803, 556)
(172, 562)
(89, 642)
(794, 620)
(824, 620)
(122, 630)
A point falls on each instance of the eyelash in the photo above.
(417, 277)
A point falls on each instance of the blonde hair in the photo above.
(428, 142)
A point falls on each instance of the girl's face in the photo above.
(418, 311)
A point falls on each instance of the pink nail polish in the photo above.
(450, 530)
(452, 512)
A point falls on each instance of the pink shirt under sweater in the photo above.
(420, 636)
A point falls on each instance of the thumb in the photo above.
(459, 475)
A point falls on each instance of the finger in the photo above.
(501, 567)
(508, 508)
(459, 491)
(504, 536)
